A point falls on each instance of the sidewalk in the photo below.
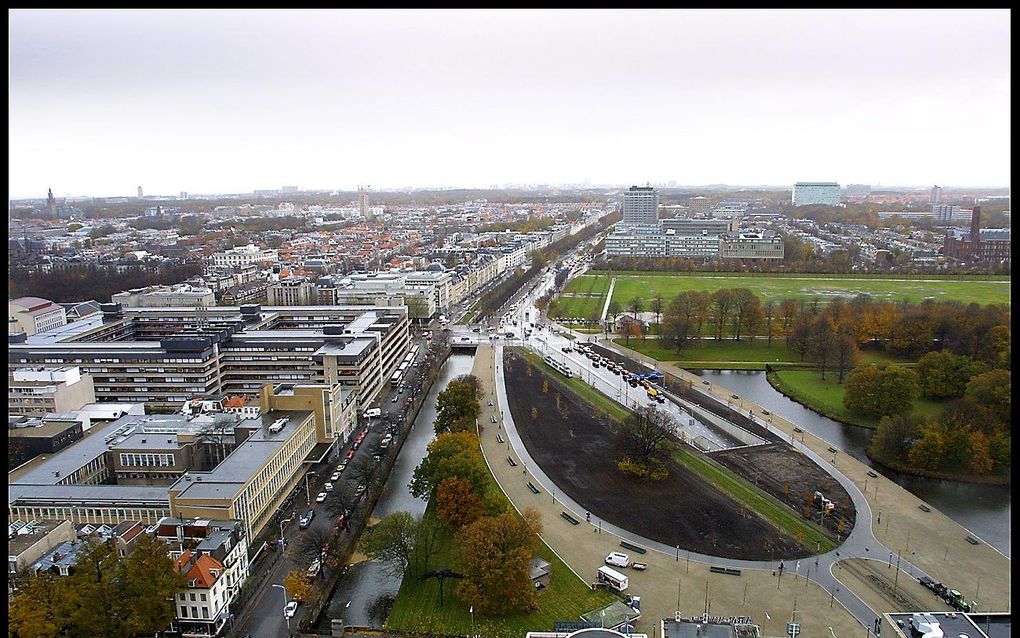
(899, 523)
(582, 548)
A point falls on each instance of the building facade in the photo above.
(805, 193)
(751, 245)
(33, 315)
(40, 391)
(641, 206)
(180, 295)
(244, 255)
(293, 291)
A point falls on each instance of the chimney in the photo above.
(975, 226)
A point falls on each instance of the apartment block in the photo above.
(244, 255)
(751, 245)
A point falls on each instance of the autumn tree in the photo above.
(981, 459)
(745, 304)
(944, 375)
(39, 608)
(880, 390)
(458, 405)
(298, 586)
(722, 305)
(799, 337)
(928, 452)
(391, 540)
(821, 342)
(456, 503)
(657, 305)
(450, 455)
(647, 429)
(992, 389)
(495, 558)
(894, 436)
(845, 353)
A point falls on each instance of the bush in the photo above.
(652, 469)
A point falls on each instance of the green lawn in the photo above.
(583, 307)
(826, 397)
(713, 351)
(589, 284)
(765, 505)
(416, 609)
(776, 288)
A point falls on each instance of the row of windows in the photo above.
(110, 515)
(147, 460)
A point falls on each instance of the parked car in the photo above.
(335, 476)
(289, 610)
(328, 487)
(349, 455)
(306, 519)
(320, 497)
(359, 491)
(618, 559)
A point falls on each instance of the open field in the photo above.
(826, 397)
(746, 354)
(578, 451)
(583, 307)
(417, 609)
(823, 288)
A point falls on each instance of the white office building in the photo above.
(641, 206)
(805, 193)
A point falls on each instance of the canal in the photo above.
(983, 509)
(359, 596)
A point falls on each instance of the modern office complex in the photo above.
(751, 245)
(641, 206)
(220, 466)
(163, 356)
(805, 193)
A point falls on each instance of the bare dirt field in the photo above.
(793, 478)
(579, 453)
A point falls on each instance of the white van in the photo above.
(614, 579)
(371, 412)
(618, 559)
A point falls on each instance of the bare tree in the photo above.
(657, 307)
(647, 428)
(315, 543)
(770, 310)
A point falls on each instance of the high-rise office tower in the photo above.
(641, 206)
(139, 192)
(936, 195)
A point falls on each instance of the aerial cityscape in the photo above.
(703, 333)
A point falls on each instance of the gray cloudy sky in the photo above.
(230, 101)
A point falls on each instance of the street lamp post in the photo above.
(283, 541)
(308, 493)
(285, 603)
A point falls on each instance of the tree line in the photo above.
(93, 281)
(106, 594)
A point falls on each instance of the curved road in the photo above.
(860, 544)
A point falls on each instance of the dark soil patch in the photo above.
(793, 478)
(579, 453)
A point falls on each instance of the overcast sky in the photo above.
(230, 101)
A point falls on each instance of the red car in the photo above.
(341, 521)
(349, 455)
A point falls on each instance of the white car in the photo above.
(618, 559)
(321, 497)
(335, 476)
(289, 610)
(328, 487)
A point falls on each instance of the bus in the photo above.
(395, 379)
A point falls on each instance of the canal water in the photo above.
(983, 509)
(357, 598)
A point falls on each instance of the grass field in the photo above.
(826, 397)
(777, 288)
(746, 354)
(417, 610)
(763, 504)
(583, 307)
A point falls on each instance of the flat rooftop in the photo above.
(227, 478)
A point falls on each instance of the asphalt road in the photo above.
(860, 544)
(263, 616)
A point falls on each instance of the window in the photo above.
(184, 611)
(192, 596)
(194, 611)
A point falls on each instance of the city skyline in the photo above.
(234, 101)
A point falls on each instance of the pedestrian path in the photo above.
(609, 297)
(760, 588)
